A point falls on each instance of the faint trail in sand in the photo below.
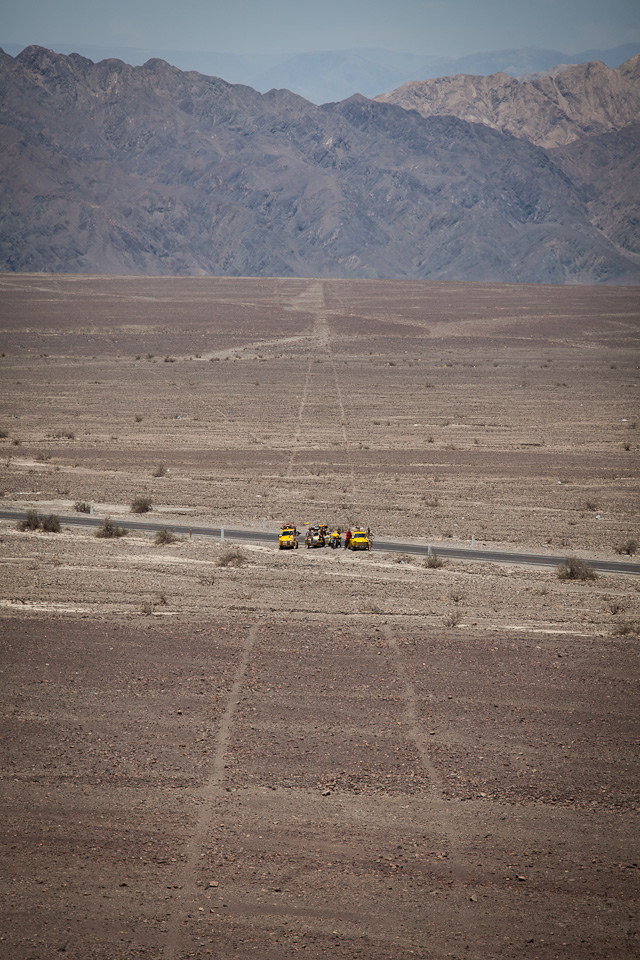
(312, 300)
(343, 416)
(207, 794)
(408, 696)
(441, 815)
(299, 421)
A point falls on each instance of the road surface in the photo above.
(391, 546)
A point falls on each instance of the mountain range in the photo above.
(323, 76)
(109, 168)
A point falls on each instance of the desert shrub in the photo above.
(138, 416)
(146, 609)
(575, 569)
(453, 619)
(164, 536)
(371, 607)
(109, 529)
(3, 434)
(401, 558)
(81, 506)
(63, 435)
(31, 521)
(141, 505)
(628, 548)
(50, 524)
(232, 557)
(160, 471)
(456, 596)
(433, 561)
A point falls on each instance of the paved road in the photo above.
(391, 546)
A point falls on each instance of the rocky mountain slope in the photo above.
(549, 110)
(115, 169)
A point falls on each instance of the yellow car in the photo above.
(360, 540)
(288, 539)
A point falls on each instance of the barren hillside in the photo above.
(149, 170)
(548, 110)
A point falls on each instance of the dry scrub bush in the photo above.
(109, 530)
(232, 557)
(453, 619)
(433, 561)
(160, 471)
(626, 629)
(164, 536)
(50, 524)
(628, 548)
(81, 506)
(575, 569)
(371, 607)
(31, 521)
(141, 505)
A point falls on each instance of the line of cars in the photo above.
(318, 535)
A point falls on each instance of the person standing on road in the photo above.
(347, 538)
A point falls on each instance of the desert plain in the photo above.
(231, 751)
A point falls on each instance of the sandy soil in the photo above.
(318, 753)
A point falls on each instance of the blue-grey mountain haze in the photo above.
(447, 28)
(328, 51)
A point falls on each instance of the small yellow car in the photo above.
(360, 540)
(288, 539)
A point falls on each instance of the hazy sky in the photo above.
(434, 27)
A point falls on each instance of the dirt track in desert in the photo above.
(317, 753)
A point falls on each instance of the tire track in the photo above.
(343, 416)
(409, 701)
(313, 300)
(435, 794)
(206, 796)
(289, 475)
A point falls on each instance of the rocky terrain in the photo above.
(148, 170)
(549, 110)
